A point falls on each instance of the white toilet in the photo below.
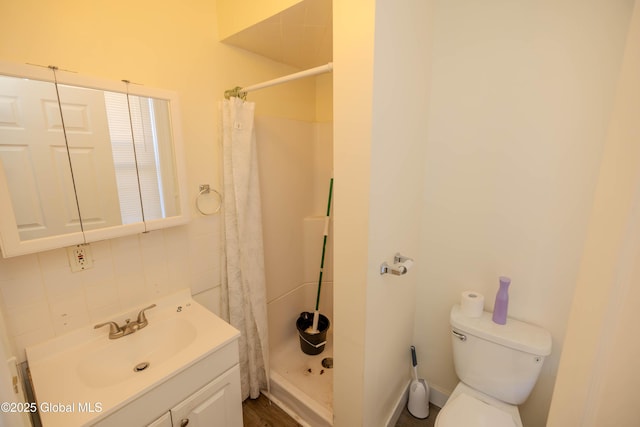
(497, 365)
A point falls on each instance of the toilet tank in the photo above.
(503, 361)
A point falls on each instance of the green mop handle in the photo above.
(324, 245)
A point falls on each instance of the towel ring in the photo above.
(206, 189)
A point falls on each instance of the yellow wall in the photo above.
(166, 44)
(170, 45)
(324, 98)
(236, 15)
(353, 31)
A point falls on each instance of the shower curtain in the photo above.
(244, 302)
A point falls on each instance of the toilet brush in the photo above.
(418, 404)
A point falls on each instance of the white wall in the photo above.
(521, 94)
(379, 111)
(399, 118)
(294, 159)
(598, 376)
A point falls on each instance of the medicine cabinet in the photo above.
(83, 159)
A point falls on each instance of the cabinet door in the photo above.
(218, 404)
(163, 421)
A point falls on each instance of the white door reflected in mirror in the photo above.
(34, 158)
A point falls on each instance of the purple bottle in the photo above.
(502, 301)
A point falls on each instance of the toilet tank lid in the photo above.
(515, 334)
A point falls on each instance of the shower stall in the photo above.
(295, 162)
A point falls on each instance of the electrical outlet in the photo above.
(80, 257)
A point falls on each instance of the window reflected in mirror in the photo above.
(152, 134)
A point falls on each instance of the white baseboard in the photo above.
(399, 407)
(436, 396)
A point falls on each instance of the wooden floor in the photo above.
(262, 413)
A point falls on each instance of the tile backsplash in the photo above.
(41, 297)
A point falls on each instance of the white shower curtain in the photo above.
(244, 302)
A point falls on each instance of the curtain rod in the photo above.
(242, 92)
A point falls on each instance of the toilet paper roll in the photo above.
(472, 304)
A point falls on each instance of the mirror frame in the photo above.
(10, 243)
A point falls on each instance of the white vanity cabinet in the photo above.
(217, 404)
(206, 394)
(190, 372)
(163, 421)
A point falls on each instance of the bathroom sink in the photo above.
(118, 360)
(85, 369)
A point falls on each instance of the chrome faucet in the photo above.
(129, 327)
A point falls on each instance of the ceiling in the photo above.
(301, 35)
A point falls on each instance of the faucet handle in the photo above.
(142, 319)
(114, 329)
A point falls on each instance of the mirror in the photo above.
(33, 156)
(91, 161)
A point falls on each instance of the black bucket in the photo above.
(312, 343)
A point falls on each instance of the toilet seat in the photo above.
(469, 408)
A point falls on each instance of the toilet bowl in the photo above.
(498, 366)
(467, 407)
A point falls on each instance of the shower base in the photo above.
(300, 385)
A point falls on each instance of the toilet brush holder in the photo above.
(418, 404)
